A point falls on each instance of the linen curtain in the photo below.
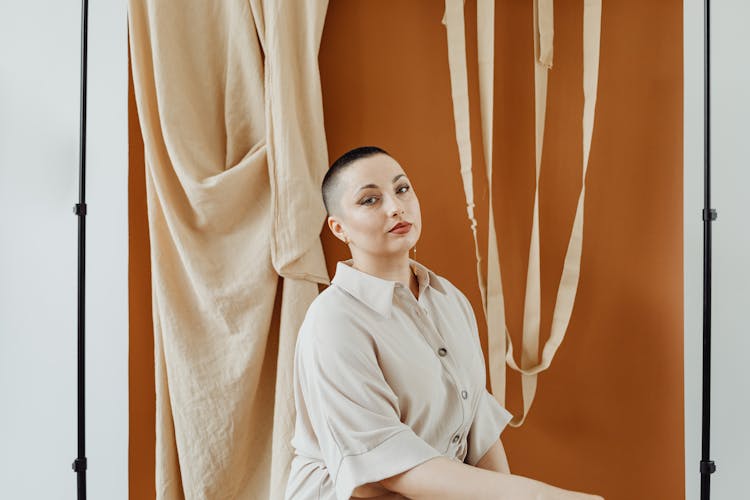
(228, 95)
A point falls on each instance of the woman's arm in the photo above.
(370, 490)
(441, 478)
(495, 459)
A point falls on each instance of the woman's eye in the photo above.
(366, 201)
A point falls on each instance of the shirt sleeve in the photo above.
(491, 417)
(489, 422)
(353, 410)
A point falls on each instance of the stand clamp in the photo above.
(79, 209)
(80, 464)
(708, 467)
(710, 216)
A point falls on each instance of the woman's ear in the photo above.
(337, 229)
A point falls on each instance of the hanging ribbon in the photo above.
(491, 289)
(454, 21)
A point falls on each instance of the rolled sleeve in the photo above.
(398, 453)
(353, 411)
(489, 421)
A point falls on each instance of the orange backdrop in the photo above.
(608, 416)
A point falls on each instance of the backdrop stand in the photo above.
(79, 464)
(707, 466)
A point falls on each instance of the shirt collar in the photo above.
(376, 292)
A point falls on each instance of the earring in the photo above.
(415, 252)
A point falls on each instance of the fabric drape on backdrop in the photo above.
(228, 95)
(491, 288)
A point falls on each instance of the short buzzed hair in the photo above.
(330, 183)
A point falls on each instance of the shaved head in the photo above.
(331, 182)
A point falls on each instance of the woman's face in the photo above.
(374, 195)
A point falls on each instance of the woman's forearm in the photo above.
(370, 490)
(441, 478)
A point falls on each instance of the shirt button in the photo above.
(442, 351)
(464, 394)
(456, 438)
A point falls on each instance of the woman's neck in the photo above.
(389, 269)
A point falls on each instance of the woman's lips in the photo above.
(401, 229)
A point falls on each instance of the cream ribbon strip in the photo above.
(491, 289)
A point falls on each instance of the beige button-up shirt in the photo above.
(384, 381)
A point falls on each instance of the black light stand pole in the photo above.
(79, 465)
(707, 466)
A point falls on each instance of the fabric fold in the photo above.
(297, 151)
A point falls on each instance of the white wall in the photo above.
(730, 191)
(39, 103)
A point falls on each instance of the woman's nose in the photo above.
(396, 209)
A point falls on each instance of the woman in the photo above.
(389, 375)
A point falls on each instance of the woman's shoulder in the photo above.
(453, 295)
(331, 319)
(447, 285)
(330, 305)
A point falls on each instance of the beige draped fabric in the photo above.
(228, 95)
(499, 341)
